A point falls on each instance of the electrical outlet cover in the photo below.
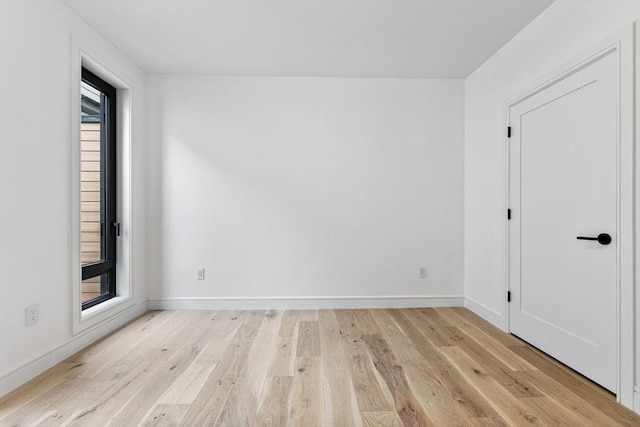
(33, 314)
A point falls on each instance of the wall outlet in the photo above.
(200, 273)
(33, 314)
(423, 273)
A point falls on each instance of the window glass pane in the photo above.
(94, 287)
(91, 177)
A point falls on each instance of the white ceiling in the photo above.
(346, 38)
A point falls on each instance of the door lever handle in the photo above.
(603, 239)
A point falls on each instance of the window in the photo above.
(98, 224)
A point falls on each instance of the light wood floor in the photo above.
(412, 367)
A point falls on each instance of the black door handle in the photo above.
(603, 239)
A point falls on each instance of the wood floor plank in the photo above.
(114, 362)
(33, 390)
(366, 321)
(249, 327)
(242, 404)
(380, 419)
(555, 413)
(416, 334)
(129, 400)
(370, 394)
(112, 400)
(114, 386)
(283, 361)
(522, 411)
(129, 334)
(569, 400)
(406, 405)
(433, 326)
(484, 326)
(447, 397)
(187, 386)
(499, 370)
(274, 402)
(170, 380)
(166, 415)
(506, 356)
(436, 399)
(45, 419)
(513, 412)
(450, 404)
(578, 385)
(431, 365)
(55, 406)
(307, 404)
(223, 325)
(209, 403)
(486, 422)
(263, 351)
(308, 339)
(348, 323)
(307, 315)
(441, 366)
(289, 323)
(341, 407)
(397, 337)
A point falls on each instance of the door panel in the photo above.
(563, 184)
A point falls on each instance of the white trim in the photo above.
(328, 302)
(39, 364)
(485, 312)
(637, 219)
(83, 55)
(626, 236)
(623, 43)
(506, 318)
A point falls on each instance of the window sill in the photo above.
(100, 313)
(112, 302)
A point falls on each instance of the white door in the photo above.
(563, 185)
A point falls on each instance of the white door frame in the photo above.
(621, 42)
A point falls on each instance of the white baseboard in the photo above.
(636, 399)
(16, 377)
(485, 312)
(265, 303)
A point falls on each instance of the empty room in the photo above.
(319, 213)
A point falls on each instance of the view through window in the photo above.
(98, 225)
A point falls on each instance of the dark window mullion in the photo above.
(96, 269)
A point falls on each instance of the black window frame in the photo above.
(110, 228)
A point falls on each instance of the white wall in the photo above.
(562, 31)
(35, 184)
(305, 187)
